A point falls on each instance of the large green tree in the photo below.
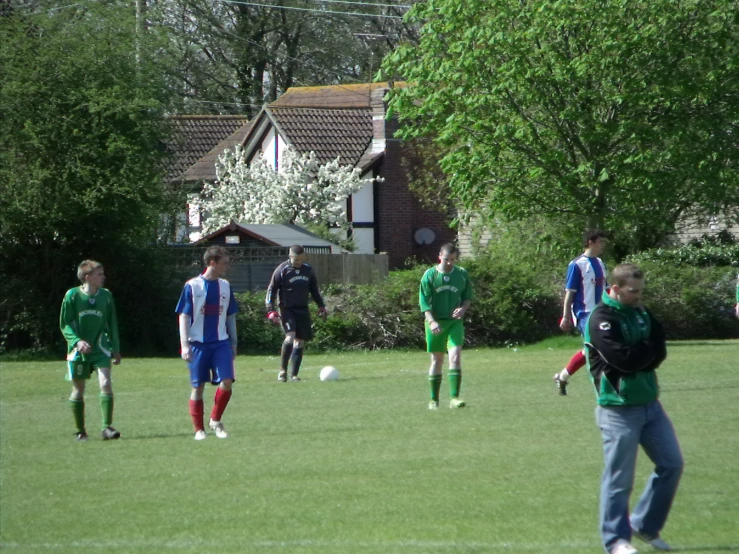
(607, 113)
(81, 112)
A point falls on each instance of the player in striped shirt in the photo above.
(207, 320)
(584, 285)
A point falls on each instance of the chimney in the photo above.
(379, 109)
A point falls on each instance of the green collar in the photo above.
(615, 304)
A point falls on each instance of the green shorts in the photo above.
(82, 369)
(452, 334)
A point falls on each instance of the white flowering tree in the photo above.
(302, 191)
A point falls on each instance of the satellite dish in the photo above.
(424, 236)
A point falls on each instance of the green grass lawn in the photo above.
(356, 465)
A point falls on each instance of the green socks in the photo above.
(455, 382)
(78, 410)
(106, 407)
(435, 383)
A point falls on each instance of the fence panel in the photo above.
(358, 269)
(251, 268)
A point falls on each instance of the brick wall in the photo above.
(399, 214)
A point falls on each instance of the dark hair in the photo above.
(448, 249)
(296, 250)
(592, 236)
(623, 272)
(214, 254)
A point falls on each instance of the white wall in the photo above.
(363, 205)
(268, 147)
(365, 241)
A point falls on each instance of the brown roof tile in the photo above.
(205, 168)
(344, 133)
(196, 135)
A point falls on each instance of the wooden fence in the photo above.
(252, 269)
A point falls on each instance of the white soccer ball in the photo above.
(329, 373)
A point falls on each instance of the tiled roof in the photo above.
(333, 96)
(329, 133)
(196, 135)
(205, 168)
(278, 234)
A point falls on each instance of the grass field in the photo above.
(357, 465)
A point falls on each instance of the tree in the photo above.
(233, 57)
(81, 122)
(617, 115)
(302, 191)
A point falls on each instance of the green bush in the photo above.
(374, 316)
(692, 302)
(691, 288)
(510, 307)
(255, 333)
(692, 255)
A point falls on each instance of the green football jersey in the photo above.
(442, 293)
(92, 319)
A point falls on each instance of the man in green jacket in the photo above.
(625, 344)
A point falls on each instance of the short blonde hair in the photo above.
(86, 268)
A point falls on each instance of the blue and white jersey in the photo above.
(586, 277)
(208, 303)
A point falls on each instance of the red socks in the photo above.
(221, 401)
(196, 413)
(576, 362)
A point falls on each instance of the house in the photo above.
(192, 138)
(347, 121)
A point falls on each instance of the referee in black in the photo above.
(288, 289)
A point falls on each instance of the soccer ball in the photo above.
(329, 373)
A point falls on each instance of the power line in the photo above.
(358, 14)
(186, 100)
(336, 74)
(47, 10)
(363, 3)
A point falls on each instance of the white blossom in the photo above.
(301, 191)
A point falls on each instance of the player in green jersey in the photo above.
(445, 295)
(89, 325)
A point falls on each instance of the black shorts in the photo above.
(298, 320)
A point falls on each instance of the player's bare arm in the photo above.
(433, 324)
(459, 312)
(566, 322)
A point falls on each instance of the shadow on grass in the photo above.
(691, 388)
(720, 343)
(726, 548)
(129, 437)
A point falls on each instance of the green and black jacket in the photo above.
(624, 345)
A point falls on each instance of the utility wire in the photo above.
(186, 100)
(363, 3)
(336, 74)
(358, 14)
(47, 10)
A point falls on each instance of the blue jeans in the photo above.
(623, 429)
